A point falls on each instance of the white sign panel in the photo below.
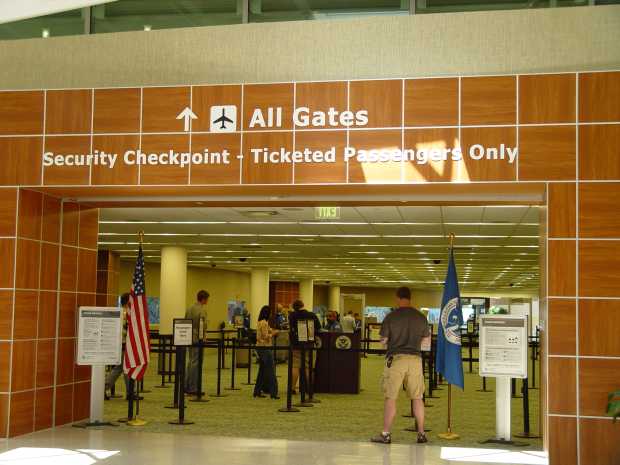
(223, 118)
(503, 346)
(99, 336)
(182, 330)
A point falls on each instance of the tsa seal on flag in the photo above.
(450, 321)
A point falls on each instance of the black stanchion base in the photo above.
(116, 396)
(162, 386)
(179, 422)
(145, 391)
(248, 384)
(199, 399)
(428, 405)
(218, 395)
(171, 406)
(136, 398)
(314, 401)
(305, 404)
(232, 389)
(433, 397)
(484, 390)
(93, 424)
(122, 420)
(532, 388)
(413, 429)
(408, 415)
(504, 442)
(527, 435)
(288, 410)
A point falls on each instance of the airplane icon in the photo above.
(223, 118)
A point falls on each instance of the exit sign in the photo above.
(327, 213)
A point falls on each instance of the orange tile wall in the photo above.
(567, 128)
(47, 244)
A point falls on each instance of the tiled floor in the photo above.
(73, 446)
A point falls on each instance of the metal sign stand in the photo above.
(97, 389)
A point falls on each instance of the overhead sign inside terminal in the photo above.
(224, 119)
(264, 155)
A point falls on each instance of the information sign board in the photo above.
(99, 336)
(182, 329)
(503, 346)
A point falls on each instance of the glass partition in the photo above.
(146, 15)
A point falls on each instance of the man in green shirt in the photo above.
(196, 313)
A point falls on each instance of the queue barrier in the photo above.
(222, 344)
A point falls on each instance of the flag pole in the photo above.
(449, 435)
(135, 421)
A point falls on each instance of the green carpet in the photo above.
(338, 417)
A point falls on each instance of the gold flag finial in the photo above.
(452, 236)
(141, 237)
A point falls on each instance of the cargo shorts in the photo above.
(403, 369)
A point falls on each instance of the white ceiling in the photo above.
(496, 246)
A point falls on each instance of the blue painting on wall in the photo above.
(153, 303)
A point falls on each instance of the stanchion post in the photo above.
(161, 360)
(526, 413)
(179, 386)
(170, 354)
(534, 350)
(303, 381)
(233, 368)
(220, 342)
(222, 336)
(181, 351)
(471, 353)
(311, 398)
(289, 389)
(199, 393)
(131, 386)
(275, 360)
(250, 383)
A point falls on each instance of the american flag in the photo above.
(137, 347)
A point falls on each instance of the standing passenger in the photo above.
(196, 312)
(116, 371)
(300, 314)
(402, 332)
(348, 323)
(266, 380)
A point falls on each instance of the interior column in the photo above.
(306, 293)
(173, 287)
(259, 292)
(334, 298)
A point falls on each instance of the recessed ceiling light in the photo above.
(147, 27)
(45, 33)
(260, 213)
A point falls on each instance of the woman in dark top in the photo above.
(266, 380)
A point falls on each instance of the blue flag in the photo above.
(448, 358)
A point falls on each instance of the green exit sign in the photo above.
(326, 213)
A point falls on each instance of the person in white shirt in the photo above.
(348, 323)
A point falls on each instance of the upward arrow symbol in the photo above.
(187, 114)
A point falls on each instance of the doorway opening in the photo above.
(366, 253)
